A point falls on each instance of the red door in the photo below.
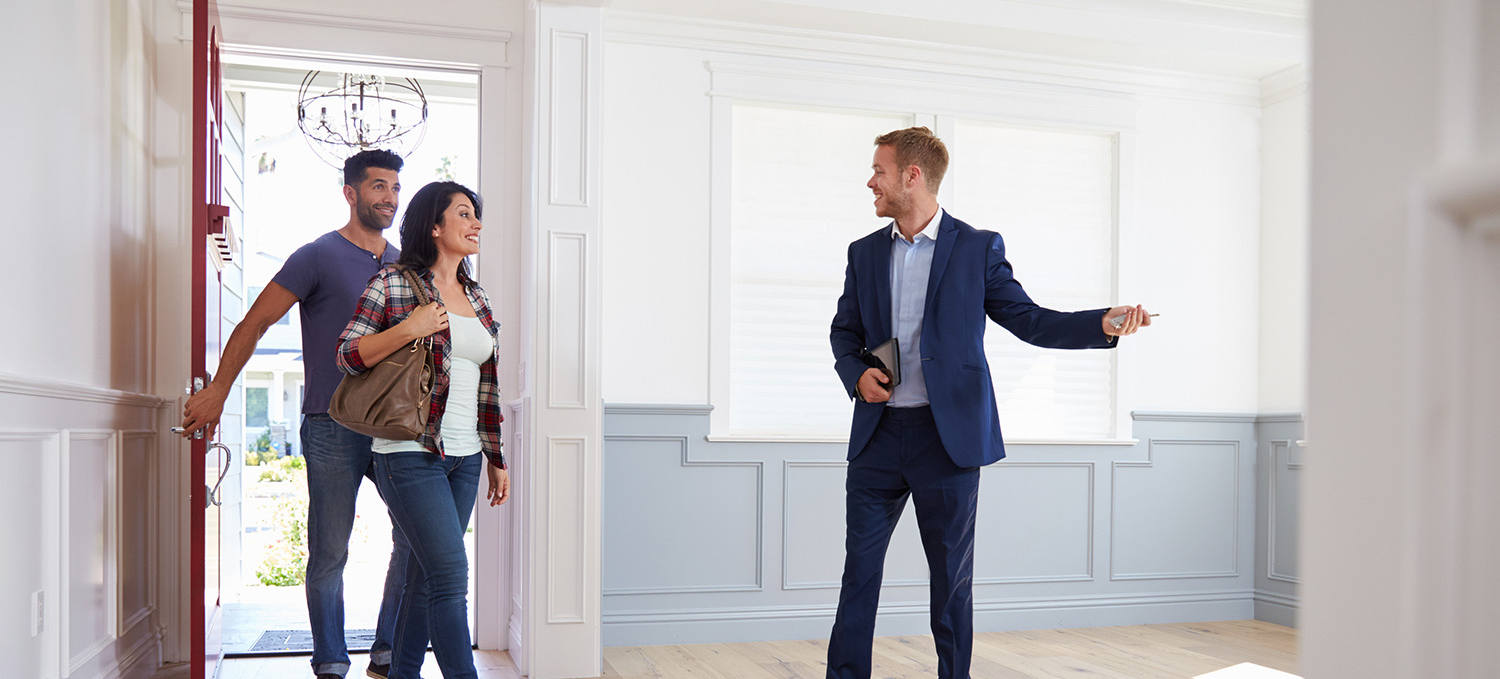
(209, 459)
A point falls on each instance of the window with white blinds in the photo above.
(798, 200)
(1051, 196)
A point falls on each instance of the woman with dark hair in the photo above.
(429, 484)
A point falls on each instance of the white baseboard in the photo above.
(734, 625)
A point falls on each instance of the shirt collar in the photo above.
(930, 232)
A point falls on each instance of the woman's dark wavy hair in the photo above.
(425, 210)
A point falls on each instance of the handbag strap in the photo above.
(416, 285)
(420, 289)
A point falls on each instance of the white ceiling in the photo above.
(1235, 38)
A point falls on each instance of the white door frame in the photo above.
(417, 46)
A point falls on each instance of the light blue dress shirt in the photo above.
(911, 265)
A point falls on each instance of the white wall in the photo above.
(1283, 243)
(77, 417)
(77, 172)
(1190, 249)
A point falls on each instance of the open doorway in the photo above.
(292, 196)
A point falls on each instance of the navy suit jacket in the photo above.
(969, 282)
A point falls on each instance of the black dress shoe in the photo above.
(378, 671)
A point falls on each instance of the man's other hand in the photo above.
(1135, 319)
(873, 386)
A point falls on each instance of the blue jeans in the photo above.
(337, 460)
(430, 499)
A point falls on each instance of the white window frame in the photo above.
(936, 101)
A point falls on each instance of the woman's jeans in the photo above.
(430, 499)
(337, 461)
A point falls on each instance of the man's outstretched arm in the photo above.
(204, 408)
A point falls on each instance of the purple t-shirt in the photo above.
(328, 276)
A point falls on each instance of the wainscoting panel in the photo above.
(1280, 455)
(80, 492)
(1068, 535)
(672, 525)
(89, 554)
(1177, 515)
(1037, 523)
(137, 488)
(27, 489)
(813, 520)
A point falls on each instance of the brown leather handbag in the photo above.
(390, 400)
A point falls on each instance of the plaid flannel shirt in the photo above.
(388, 300)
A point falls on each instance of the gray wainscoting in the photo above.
(725, 541)
(1279, 459)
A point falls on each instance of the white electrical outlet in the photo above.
(38, 618)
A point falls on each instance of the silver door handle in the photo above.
(213, 494)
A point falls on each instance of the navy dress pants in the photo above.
(904, 459)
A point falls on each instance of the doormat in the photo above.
(300, 640)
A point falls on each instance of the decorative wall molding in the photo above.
(1277, 418)
(75, 658)
(567, 162)
(664, 409)
(1283, 85)
(718, 36)
(786, 513)
(749, 613)
(315, 19)
(884, 87)
(1149, 462)
(1038, 590)
(1277, 598)
(128, 620)
(1088, 569)
(69, 391)
(567, 316)
(1284, 455)
(1168, 416)
(567, 459)
(758, 584)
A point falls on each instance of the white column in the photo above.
(276, 397)
(563, 413)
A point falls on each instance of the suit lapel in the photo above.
(882, 270)
(947, 234)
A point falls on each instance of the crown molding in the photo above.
(723, 37)
(304, 18)
(1283, 85)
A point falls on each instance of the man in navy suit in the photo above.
(929, 281)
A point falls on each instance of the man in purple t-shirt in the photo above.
(327, 276)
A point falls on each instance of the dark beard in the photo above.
(373, 220)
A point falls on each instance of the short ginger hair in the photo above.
(918, 146)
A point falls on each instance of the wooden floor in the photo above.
(1175, 651)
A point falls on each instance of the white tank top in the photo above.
(471, 346)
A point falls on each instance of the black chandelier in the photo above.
(360, 112)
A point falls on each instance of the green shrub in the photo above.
(285, 469)
(285, 564)
(260, 451)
